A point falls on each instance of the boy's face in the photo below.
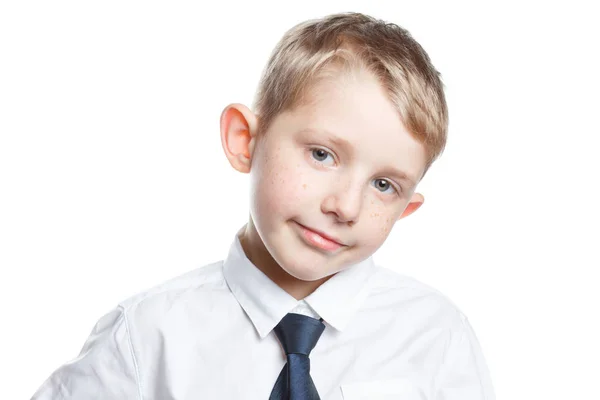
(330, 167)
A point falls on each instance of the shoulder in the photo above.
(399, 292)
(206, 277)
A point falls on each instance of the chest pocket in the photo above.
(389, 389)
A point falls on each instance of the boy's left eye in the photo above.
(320, 155)
(384, 184)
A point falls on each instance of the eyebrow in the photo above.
(340, 141)
(402, 175)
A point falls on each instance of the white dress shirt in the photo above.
(208, 334)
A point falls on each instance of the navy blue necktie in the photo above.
(298, 335)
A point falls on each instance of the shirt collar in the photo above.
(265, 303)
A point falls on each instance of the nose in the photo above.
(344, 201)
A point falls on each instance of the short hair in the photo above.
(351, 40)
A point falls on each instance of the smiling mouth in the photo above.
(318, 240)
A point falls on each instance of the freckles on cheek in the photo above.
(382, 224)
(384, 229)
(387, 226)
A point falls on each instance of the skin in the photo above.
(298, 177)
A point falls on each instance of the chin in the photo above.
(295, 265)
(316, 270)
(308, 277)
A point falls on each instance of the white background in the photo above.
(113, 178)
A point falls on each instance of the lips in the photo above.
(327, 238)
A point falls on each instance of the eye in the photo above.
(384, 184)
(320, 155)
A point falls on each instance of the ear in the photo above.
(238, 135)
(416, 201)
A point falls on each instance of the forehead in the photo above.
(356, 111)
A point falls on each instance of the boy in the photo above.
(349, 116)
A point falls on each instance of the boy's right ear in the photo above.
(238, 135)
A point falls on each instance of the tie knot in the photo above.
(298, 334)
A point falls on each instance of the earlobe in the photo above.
(238, 135)
(416, 201)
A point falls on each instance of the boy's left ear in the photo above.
(416, 201)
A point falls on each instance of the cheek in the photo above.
(380, 221)
(386, 226)
(281, 186)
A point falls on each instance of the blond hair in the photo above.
(307, 52)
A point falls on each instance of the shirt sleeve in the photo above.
(105, 368)
(464, 374)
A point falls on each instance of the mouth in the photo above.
(319, 239)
